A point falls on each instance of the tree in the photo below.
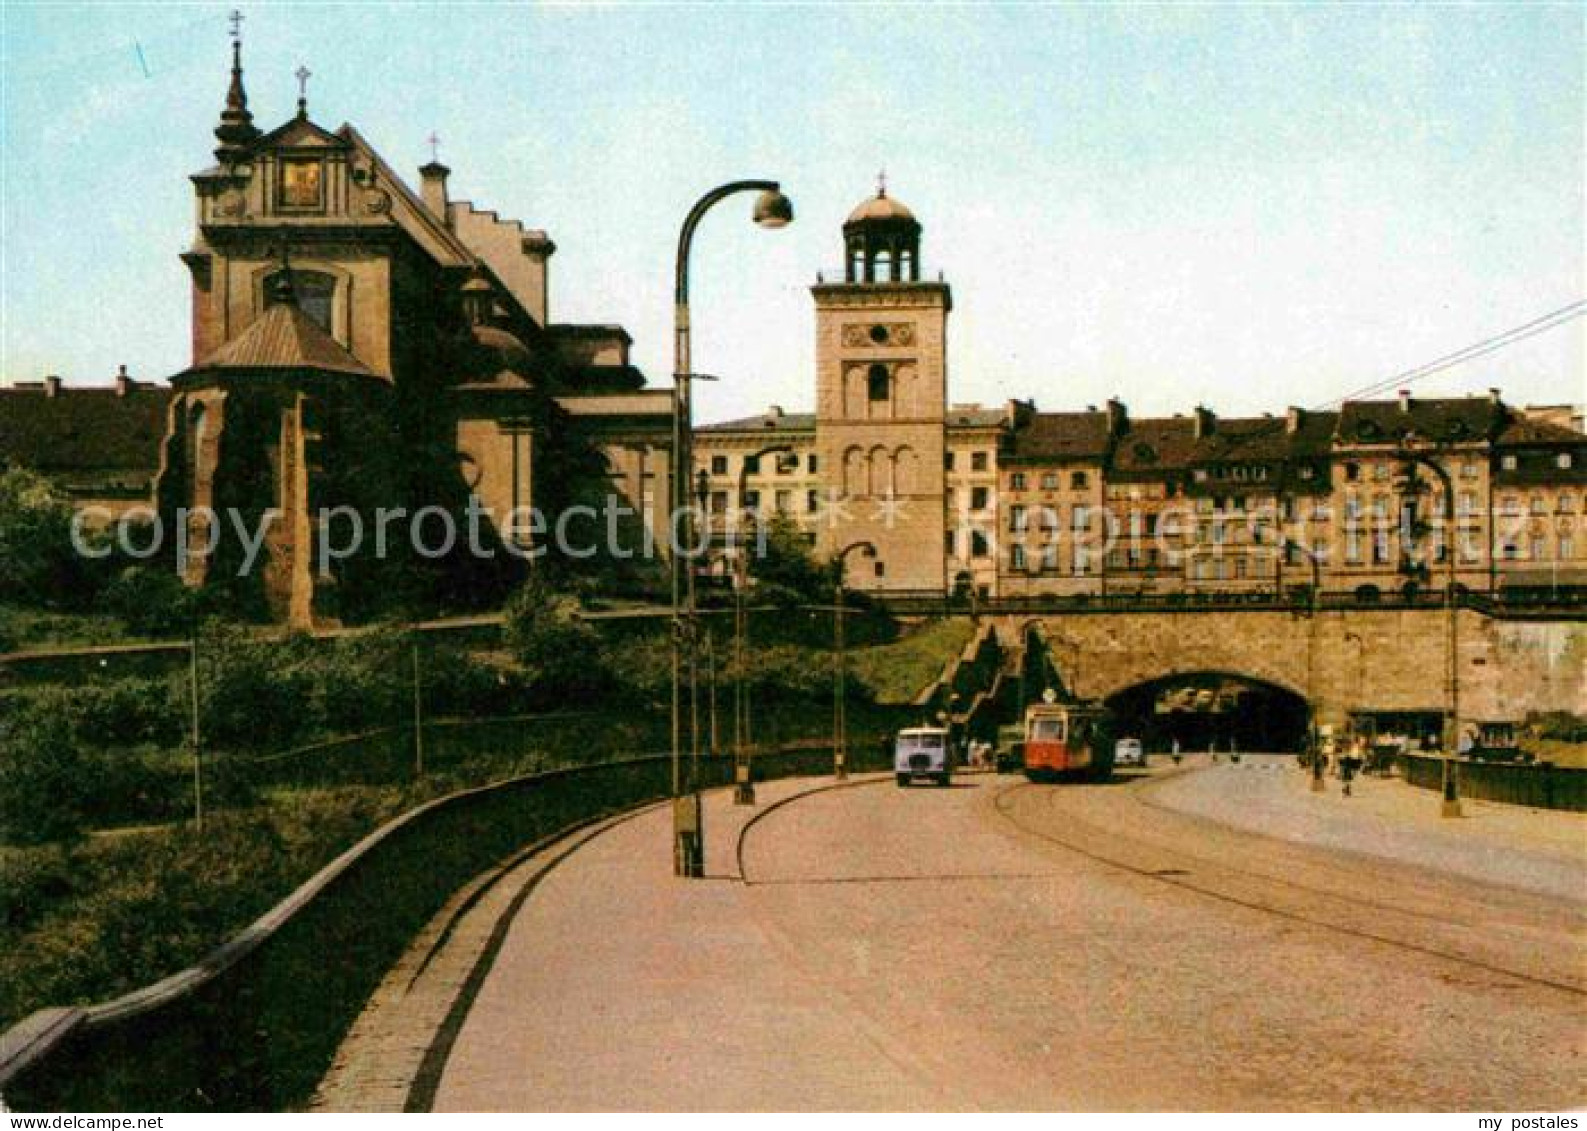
(37, 563)
(561, 654)
(785, 566)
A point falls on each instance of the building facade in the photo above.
(356, 346)
(1030, 503)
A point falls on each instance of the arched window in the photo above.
(313, 290)
(854, 478)
(906, 466)
(878, 384)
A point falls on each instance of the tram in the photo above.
(1067, 741)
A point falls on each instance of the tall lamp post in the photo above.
(743, 767)
(772, 210)
(1314, 740)
(1412, 456)
(840, 717)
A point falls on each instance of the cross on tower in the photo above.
(881, 183)
(235, 19)
(435, 147)
(303, 74)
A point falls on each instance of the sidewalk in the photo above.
(1541, 850)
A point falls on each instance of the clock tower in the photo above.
(881, 400)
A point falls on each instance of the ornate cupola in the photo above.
(236, 131)
(881, 240)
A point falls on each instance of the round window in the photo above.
(879, 335)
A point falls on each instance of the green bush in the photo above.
(1560, 726)
(38, 565)
(42, 780)
(561, 655)
(151, 601)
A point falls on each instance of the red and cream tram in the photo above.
(1067, 741)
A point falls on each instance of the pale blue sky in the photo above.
(1245, 205)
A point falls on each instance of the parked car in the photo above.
(1128, 752)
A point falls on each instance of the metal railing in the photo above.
(254, 1025)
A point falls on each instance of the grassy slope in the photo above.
(1572, 754)
(28, 629)
(898, 671)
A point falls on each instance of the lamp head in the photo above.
(773, 209)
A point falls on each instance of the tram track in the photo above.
(1500, 932)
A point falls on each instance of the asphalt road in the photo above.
(1001, 945)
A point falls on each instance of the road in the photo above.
(1001, 945)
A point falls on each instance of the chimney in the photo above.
(1292, 419)
(1206, 422)
(124, 384)
(1493, 396)
(1405, 400)
(52, 386)
(434, 191)
(1118, 417)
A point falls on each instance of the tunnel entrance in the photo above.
(1211, 711)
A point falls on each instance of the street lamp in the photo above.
(772, 210)
(1412, 458)
(840, 720)
(1287, 544)
(743, 773)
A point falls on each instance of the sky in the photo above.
(1248, 206)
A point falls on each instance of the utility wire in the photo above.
(1510, 337)
(1477, 349)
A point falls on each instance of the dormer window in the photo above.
(301, 183)
(312, 290)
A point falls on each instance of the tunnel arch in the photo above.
(1211, 709)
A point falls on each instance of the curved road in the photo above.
(1000, 945)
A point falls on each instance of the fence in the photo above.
(1542, 787)
(254, 1026)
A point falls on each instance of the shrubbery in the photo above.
(42, 780)
(562, 656)
(1560, 726)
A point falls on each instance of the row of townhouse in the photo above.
(1098, 502)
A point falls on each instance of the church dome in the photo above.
(881, 241)
(880, 207)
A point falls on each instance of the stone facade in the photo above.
(1361, 662)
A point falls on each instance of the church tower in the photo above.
(881, 400)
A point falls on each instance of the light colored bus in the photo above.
(923, 752)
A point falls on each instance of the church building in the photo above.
(356, 345)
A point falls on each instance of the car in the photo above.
(1128, 752)
(1010, 748)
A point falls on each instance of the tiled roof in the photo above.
(1244, 439)
(285, 338)
(1060, 436)
(1449, 420)
(766, 422)
(83, 429)
(1530, 430)
(975, 417)
(1155, 445)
